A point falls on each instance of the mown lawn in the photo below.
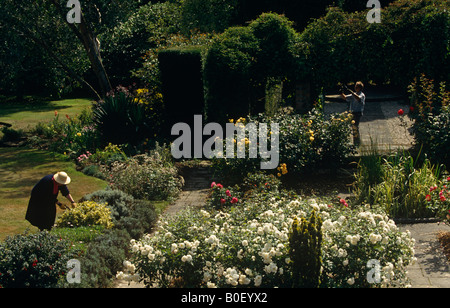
(20, 170)
(26, 116)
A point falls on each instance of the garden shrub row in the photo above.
(182, 83)
(402, 186)
(411, 40)
(306, 143)
(248, 245)
(97, 232)
(40, 260)
(430, 111)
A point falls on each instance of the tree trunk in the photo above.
(92, 46)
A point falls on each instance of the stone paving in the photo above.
(381, 126)
(432, 269)
(195, 192)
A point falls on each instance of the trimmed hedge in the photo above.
(411, 39)
(242, 62)
(182, 83)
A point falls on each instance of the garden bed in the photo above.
(444, 239)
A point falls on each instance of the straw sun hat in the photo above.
(62, 178)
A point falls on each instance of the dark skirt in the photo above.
(41, 210)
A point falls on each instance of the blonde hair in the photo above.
(360, 84)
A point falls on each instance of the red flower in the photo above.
(442, 198)
(228, 193)
(213, 184)
(34, 263)
(411, 108)
(220, 186)
(222, 201)
(343, 202)
(234, 200)
(400, 112)
(428, 198)
(448, 179)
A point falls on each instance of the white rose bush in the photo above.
(247, 246)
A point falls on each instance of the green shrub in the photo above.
(401, 188)
(305, 251)
(306, 142)
(223, 196)
(141, 220)
(439, 199)
(10, 134)
(86, 213)
(410, 40)
(430, 110)
(120, 119)
(228, 72)
(148, 176)
(72, 136)
(181, 83)
(243, 63)
(260, 182)
(103, 257)
(117, 201)
(33, 260)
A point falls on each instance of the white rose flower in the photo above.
(258, 280)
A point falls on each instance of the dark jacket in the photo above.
(41, 210)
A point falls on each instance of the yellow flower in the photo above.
(231, 120)
(278, 174)
(79, 134)
(353, 122)
(311, 138)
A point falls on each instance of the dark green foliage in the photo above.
(120, 119)
(305, 251)
(119, 202)
(103, 257)
(126, 44)
(208, 15)
(242, 61)
(228, 72)
(430, 111)
(141, 220)
(105, 254)
(276, 54)
(33, 260)
(182, 83)
(411, 39)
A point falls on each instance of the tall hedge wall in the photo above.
(412, 38)
(182, 83)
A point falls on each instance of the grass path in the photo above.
(20, 170)
(25, 116)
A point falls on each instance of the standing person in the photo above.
(41, 210)
(357, 101)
